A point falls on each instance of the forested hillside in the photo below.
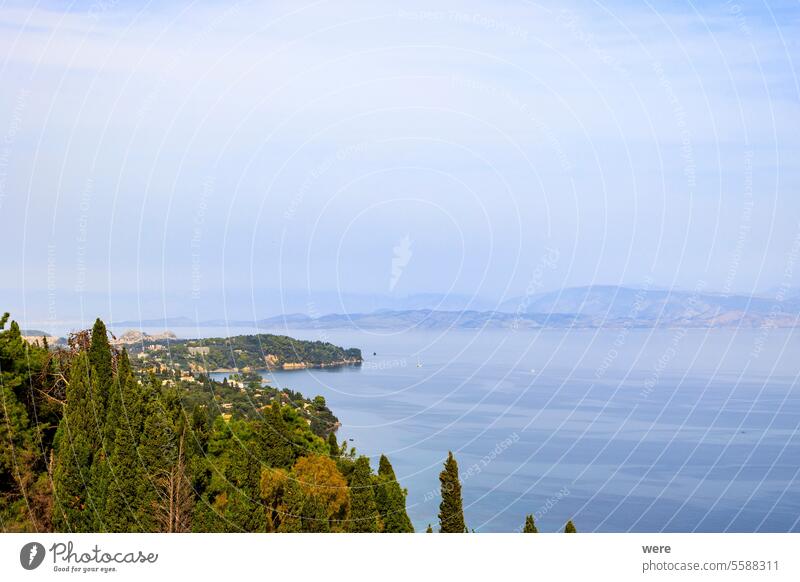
(262, 351)
(87, 444)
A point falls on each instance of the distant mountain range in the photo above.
(611, 305)
(582, 307)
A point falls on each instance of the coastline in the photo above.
(289, 367)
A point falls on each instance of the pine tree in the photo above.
(530, 526)
(429, 529)
(391, 500)
(363, 511)
(275, 440)
(570, 528)
(451, 511)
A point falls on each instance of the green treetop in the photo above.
(275, 439)
(391, 500)
(451, 510)
(363, 510)
(530, 526)
(74, 444)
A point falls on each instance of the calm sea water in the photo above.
(620, 430)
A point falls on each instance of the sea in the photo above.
(668, 430)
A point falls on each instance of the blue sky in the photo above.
(189, 158)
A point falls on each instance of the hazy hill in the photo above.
(609, 305)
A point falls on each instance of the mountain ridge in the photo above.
(593, 306)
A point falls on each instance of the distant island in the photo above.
(238, 353)
(590, 307)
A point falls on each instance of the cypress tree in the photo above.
(243, 473)
(123, 507)
(290, 511)
(363, 511)
(570, 528)
(100, 361)
(314, 518)
(158, 452)
(101, 369)
(333, 446)
(451, 510)
(197, 448)
(275, 439)
(391, 500)
(530, 526)
(74, 444)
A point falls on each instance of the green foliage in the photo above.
(319, 478)
(100, 356)
(244, 511)
(451, 510)
(124, 510)
(570, 527)
(75, 444)
(333, 446)
(275, 439)
(256, 352)
(130, 453)
(103, 407)
(364, 515)
(24, 424)
(429, 529)
(391, 500)
(530, 526)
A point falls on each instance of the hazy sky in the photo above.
(188, 158)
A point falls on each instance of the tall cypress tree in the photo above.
(244, 510)
(530, 525)
(158, 452)
(314, 518)
(73, 508)
(100, 361)
(275, 439)
(363, 511)
(391, 500)
(451, 510)
(333, 445)
(290, 510)
(100, 397)
(123, 508)
(570, 528)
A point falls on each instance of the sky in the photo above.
(189, 159)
